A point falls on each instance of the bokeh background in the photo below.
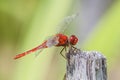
(25, 24)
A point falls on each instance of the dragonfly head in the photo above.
(73, 40)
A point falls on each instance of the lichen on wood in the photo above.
(85, 65)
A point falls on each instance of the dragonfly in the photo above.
(57, 40)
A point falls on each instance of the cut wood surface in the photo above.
(85, 65)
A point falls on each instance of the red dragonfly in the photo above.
(56, 40)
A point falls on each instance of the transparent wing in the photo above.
(52, 41)
(65, 23)
(38, 52)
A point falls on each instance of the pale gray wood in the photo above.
(85, 65)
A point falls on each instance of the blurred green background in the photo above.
(25, 24)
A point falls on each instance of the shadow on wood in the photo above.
(85, 65)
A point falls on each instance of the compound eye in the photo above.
(73, 39)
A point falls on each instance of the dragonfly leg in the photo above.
(75, 49)
(62, 51)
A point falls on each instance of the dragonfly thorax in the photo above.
(63, 40)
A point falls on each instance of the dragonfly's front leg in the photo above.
(62, 51)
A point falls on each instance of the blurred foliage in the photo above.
(105, 38)
(25, 24)
(106, 35)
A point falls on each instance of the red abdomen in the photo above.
(30, 51)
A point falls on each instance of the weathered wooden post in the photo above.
(85, 65)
